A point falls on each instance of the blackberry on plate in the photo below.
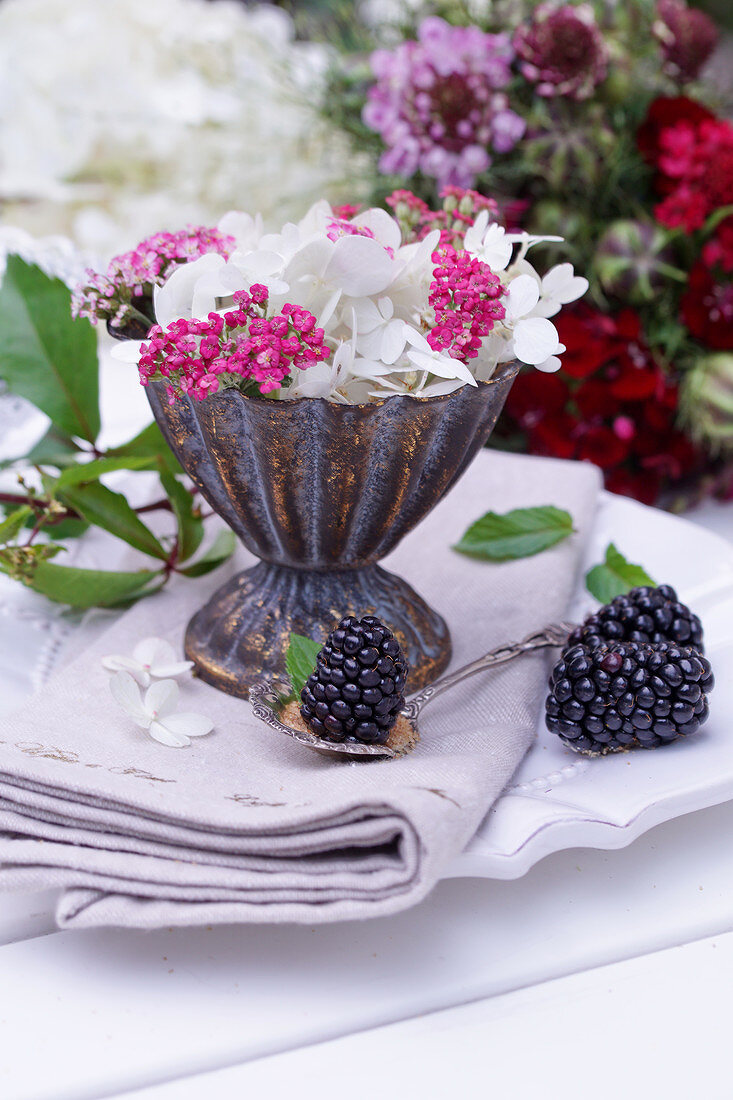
(623, 695)
(644, 614)
(355, 692)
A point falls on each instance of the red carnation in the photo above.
(695, 170)
(611, 404)
(718, 252)
(707, 308)
(664, 112)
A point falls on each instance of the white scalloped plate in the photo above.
(560, 800)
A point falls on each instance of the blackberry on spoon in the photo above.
(356, 691)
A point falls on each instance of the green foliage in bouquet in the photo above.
(50, 359)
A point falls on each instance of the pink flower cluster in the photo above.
(696, 170)
(464, 294)
(124, 292)
(244, 348)
(437, 105)
(460, 207)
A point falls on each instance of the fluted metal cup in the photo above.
(320, 492)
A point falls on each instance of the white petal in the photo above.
(438, 389)
(245, 229)
(522, 296)
(161, 697)
(188, 724)
(444, 366)
(310, 260)
(496, 249)
(151, 650)
(118, 663)
(417, 340)
(535, 339)
(161, 733)
(385, 229)
(360, 266)
(393, 341)
(550, 365)
(126, 694)
(175, 298)
(562, 284)
(368, 316)
(126, 351)
(127, 664)
(371, 368)
(316, 381)
(161, 672)
(386, 308)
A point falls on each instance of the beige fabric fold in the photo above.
(246, 825)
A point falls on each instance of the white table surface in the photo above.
(596, 975)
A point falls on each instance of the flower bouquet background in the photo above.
(590, 121)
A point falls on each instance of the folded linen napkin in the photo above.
(246, 825)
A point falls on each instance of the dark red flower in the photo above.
(707, 308)
(718, 252)
(536, 391)
(555, 436)
(694, 162)
(603, 447)
(666, 111)
(611, 404)
(644, 486)
(687, 38)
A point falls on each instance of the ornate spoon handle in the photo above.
(553, 635)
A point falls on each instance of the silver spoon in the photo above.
(267, 701)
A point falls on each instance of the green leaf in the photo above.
(101, 506)
(615, 576)
(67, 529)
(90, 471)
(516, 534)
(149, 442)
(89, 587)
(46, 355)
(14, 522)
(221, 548)
(190, 526)
(301, 660)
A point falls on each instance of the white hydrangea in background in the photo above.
(122, 117)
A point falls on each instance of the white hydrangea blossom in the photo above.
(370, 294)
(123, 117)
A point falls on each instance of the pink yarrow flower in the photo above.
(464, 294)
(124, 294)
(244, 349)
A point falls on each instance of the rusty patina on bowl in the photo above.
(320, 492)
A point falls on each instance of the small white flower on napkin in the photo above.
(152, 659)
(155, 711)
